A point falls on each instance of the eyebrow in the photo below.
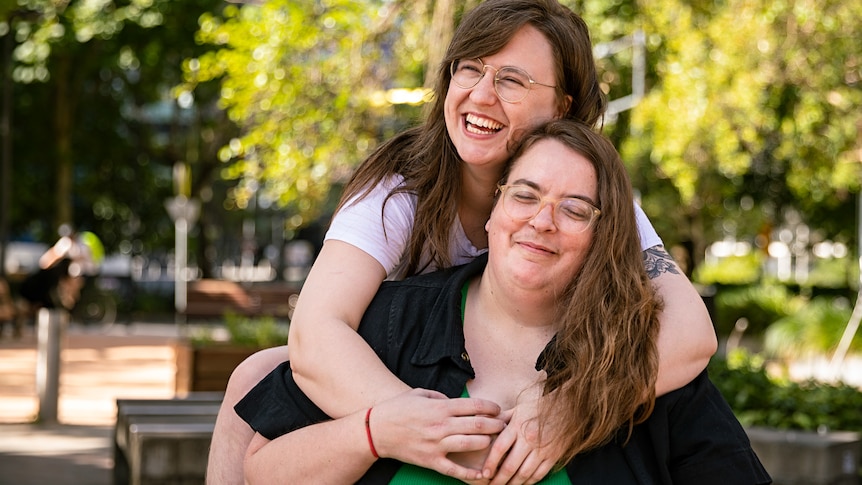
(534, 185)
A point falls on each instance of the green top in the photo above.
(414, 475)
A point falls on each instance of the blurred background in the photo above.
(208, 140)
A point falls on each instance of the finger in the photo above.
(499, 450)
(483, 425)
(464, 443)
(448, 467)
(511, 464)
(541, 471)
(524, 473)
(507, 415)
(465, 406)
(507, 474)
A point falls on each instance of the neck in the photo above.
(478, 184)
(477, 199)
(523, 310)
(503, 341)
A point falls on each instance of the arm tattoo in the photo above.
(658, 261)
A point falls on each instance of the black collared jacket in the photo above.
(415, 327)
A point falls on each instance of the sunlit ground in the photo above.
(95, 370)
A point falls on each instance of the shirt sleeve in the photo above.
(649, 237)
(277, 406)
(378, 226)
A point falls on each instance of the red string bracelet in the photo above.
(368, 433)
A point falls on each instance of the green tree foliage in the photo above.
(89, 76)
(753, 109)
(735, 127)
(307, 84)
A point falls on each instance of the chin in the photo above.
(530, 281)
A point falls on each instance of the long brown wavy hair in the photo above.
(425, 156)
(603, 362)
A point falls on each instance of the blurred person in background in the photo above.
(62, 271)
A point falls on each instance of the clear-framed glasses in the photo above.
(571, 215)
(510, 83)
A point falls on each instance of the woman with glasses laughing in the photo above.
(420, 202)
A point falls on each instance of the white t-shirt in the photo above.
(358, 224)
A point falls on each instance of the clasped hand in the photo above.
(470, 439)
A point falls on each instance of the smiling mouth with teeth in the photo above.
(482, 126)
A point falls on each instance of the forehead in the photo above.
(528, 49)
(555, 167)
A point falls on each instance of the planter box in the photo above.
(206, 368)
(807, 457)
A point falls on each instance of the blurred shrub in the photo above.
(815, 327)
(258, 332)
(832, 272)
(732, 270)
(760, 304)
(760, 400)
(261, 332)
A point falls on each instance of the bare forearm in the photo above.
(419, 426)
(347, 375)
(332, 364)
(333, 452)
(686, 338)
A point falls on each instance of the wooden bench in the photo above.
(209, 298)
(164, 441)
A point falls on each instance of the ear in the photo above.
(565, 107)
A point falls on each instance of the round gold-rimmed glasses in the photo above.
(511, 83)
(571, 215)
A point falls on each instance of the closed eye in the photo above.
(576, 210)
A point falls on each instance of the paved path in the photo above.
(97, 367)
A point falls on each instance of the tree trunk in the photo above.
(698, 239)
(63, 134)
(439, 36)
(6, 152)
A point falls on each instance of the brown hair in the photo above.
(425, 155)
(603, 362)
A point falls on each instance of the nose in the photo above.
(484, 92)
(544, 219)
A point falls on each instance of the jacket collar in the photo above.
(443, 329)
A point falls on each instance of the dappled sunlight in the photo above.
(18, 409)
(819, 367)
(95, 370)
(49, 442)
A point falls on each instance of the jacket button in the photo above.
(465, 357)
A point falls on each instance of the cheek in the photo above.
(521, 116)
(450, 114)
(454, 97)
(579, 250)
(499, 227)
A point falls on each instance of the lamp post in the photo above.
(184, 212)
